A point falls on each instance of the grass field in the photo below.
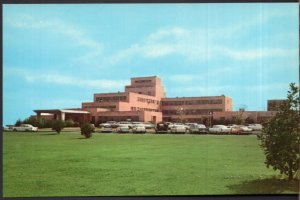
(47, 164)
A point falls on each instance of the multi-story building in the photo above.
(249, 117)
(144, 100)
(274, 104)
(140, 101)
(194, 109)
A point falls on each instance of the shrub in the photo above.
(87, 130)
(48, 123)
(58, 125)
(76, 124)
(70, 123)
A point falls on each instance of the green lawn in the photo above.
(46, 164)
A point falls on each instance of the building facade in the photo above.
(145, 100)
(274, 104)
(194, 109)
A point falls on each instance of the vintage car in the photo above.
(25, 127)
(219, 129)
(106, 128)
(123, 128)
(178, 128)
(138, 128)
(161, 127)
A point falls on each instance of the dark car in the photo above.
(161, 127)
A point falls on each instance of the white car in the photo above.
(178, 129)
(187, 127)
(123, 128)
(138, 128)
(25, 127)
(219, 129)
(148, 125)
(106, 128)
(7, 128)
(255, 127)
(129, 124)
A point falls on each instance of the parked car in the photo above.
(178, 129)
(202, 128)
(231, 125)
(138, 128)
(129, 124)
(8, 128)
(123, 128)
(240, 129)
(106, 128)
(235, 130)
(187, 127)
(219, 129)
(161, 127)
(113, 124)
(148, 125)
(25, 127)
(194, 128)
(244, 129)
(255, 127)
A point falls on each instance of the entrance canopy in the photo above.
(61, 113)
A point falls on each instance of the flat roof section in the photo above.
(199, 97)
(62, 111)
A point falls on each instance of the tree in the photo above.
(18, 122)
(58, 125)
(87, 130)
(280, 138)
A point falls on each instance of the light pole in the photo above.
(210, 118)
(180, 111)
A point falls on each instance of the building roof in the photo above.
(62, 110)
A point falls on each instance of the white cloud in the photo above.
(253, 54)
(214, 90)
(183, 77)
(77, 35)
(194, 45)
(54, 78)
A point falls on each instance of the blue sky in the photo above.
(57, 56)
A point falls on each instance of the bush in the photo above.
(48, 123)
(70, 123)
(58, 125)
(87, 130)
(76, 124)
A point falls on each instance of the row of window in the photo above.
(148, 100)
(191, 102)
(143, 81)
(108, 107)
(110, 99)
(143, 109)
(190, 112)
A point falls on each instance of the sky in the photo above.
(58, 56)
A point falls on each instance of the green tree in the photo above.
(87, 130)
(18, 122)
(280, 138)
(58, 125)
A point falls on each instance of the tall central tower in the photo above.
(151, 86)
